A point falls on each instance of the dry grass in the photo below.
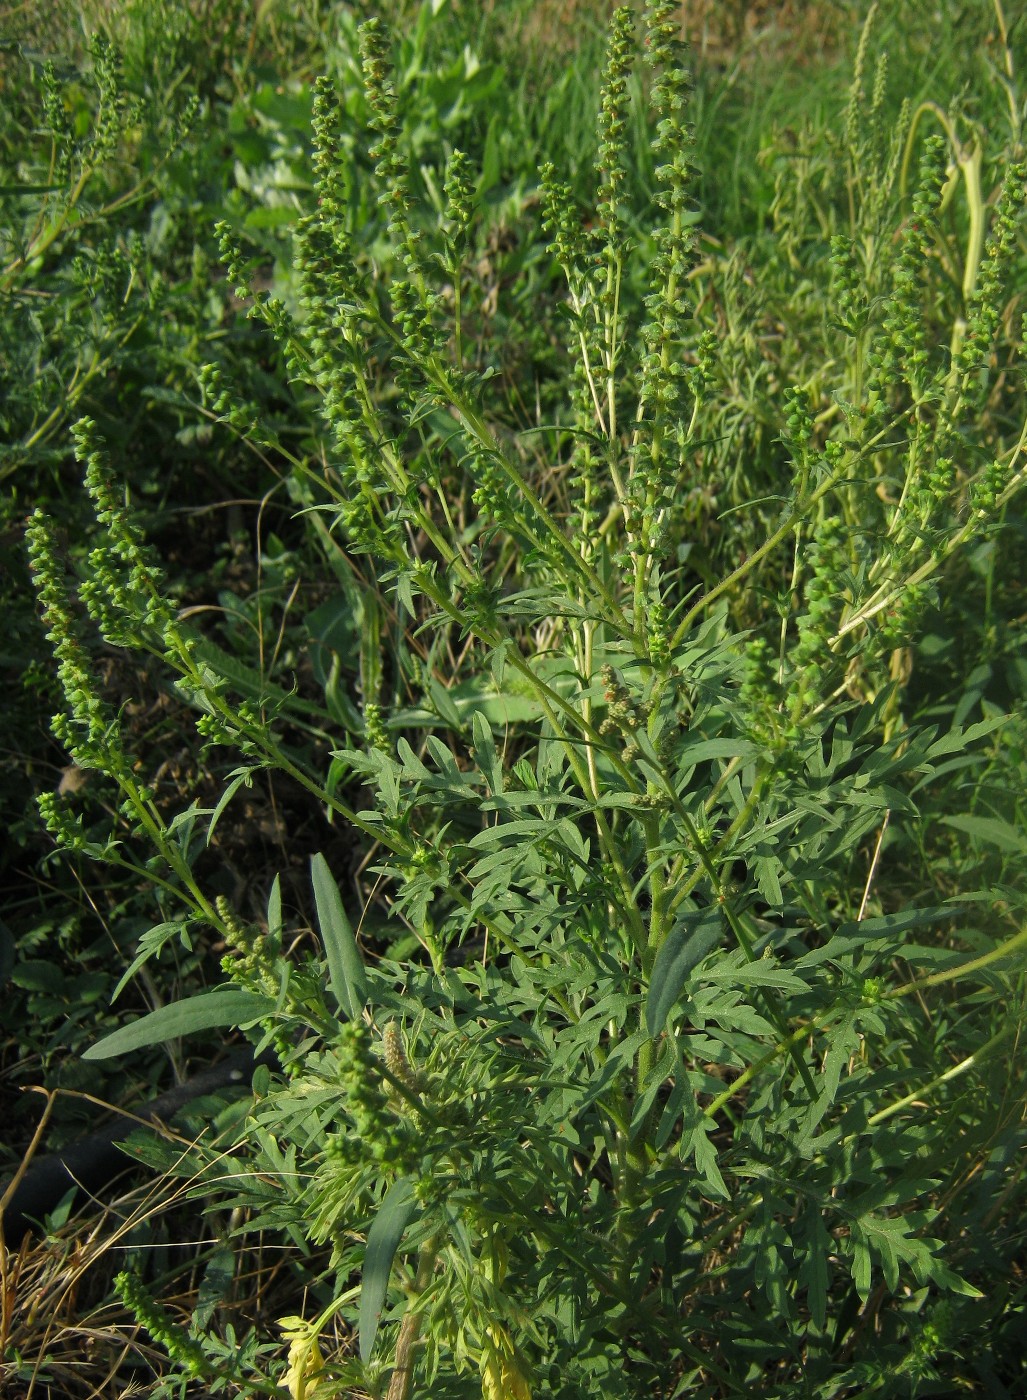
(60, 1336)
(720, 31)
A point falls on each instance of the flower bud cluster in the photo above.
(613, 133)
(986, 304)
(987, 487)
(329, 155)
(569, 245)
(458, 189)
(65, 826)
(665, 381)
(900, 623)
(413, 305)
(88, 729)
(903, 352)
(799, 419)
(58, 122)
(376, 1129)
(125, 593)
(703, 372)
(850, 304)
(396, 1060)
(622, 714)
(376, 735)
(759, 692)
(827, 563)
(251, 960)
(657, 630)
(175, 1340)
(225, 401)
(112, 109)
(625, 716)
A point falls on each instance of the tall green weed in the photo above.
(629, 1066)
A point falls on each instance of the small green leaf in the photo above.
(485, 754)
(815, 1272)
(383, 1239)
(152, 942)
(274, 914)
(861, 1266)
(215, 1285)
(345, 966)
(696, 933)
(241, 777)
(704, 1153)
(38, 975)
(224, 1006)
(442, 702)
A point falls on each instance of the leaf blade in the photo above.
(387, 1229)
(347, 977)
(220, 1007)
(694, 935)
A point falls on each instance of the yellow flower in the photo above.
(502, 1375)
(305, 1359)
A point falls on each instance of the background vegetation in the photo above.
(590, 570)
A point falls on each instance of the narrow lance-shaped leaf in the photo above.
(383, 1239)
(224, 1006)
(345, 966)
(274, 915)
(696, 933)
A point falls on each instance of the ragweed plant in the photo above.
(639, 1090)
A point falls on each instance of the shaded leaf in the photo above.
(990, 831)
(224, 1006)
(695, 933)
(383, 1239)
(346, 974)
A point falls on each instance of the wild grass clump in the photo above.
(655, 1044)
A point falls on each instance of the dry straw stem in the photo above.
(57, 1327)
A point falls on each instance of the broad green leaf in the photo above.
(860, 1265)
(440, 698)
(224, 1006)
(849, 937)
(666, 1063)
(347, 978)
(38, 975)
(696, 933)
(383, 1239)
(701, 752)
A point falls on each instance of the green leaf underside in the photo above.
(345, 966)
(694, 935)
(383, 1239)
(221, 1007)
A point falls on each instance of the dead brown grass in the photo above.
(719, 31)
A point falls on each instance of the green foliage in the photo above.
(663, 1055)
